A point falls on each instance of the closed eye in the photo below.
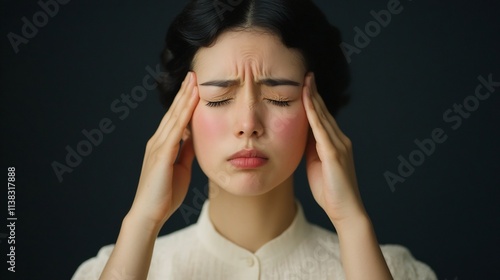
(280, 103)
(218, 103)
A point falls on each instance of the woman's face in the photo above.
(250, 88)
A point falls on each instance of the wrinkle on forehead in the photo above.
(250, 63)
(242, 55)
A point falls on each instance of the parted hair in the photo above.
(299, 23)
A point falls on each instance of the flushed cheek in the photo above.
(209, 132)
(289, 125)
(206, 128)
(289, 136)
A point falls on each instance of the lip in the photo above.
(247, 159)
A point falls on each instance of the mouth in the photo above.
(248, 159)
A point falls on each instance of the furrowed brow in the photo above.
(279, 82)
(268, 82)
(221, 83)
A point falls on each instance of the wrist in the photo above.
(352, 223)
(360, 252)
(137, 223)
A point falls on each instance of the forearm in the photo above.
(132, 254)
(360, 252)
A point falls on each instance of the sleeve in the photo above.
(404, 266)
(91, 269)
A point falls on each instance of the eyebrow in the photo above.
(267, 82)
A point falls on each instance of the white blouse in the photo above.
(303, 251)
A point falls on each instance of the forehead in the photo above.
(258, 49)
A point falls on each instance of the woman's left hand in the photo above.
(330, 169)
(329, 160)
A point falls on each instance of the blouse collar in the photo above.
(272, 251)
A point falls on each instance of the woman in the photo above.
(247, 78)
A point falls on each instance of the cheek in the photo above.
(206, 128)
(208, 132)
(291, 126)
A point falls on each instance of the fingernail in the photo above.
(189, 76)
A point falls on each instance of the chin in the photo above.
(246, 185)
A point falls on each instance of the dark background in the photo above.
(427, 59)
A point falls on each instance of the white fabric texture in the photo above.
(303, 251)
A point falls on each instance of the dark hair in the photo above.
(299, 23)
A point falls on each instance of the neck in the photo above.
(252, 221)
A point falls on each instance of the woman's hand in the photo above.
(329, 160)
(330, 169)
(166, 171)
(165, 176)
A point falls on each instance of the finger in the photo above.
(317, 98)
(178, 124)
(341, 141)
(319, 124)
(180, 113)
(325, 120)
(178, 96)
(178, 104)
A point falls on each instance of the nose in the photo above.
(248, 115)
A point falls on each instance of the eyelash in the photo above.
(218, 103)
(280, 103)
(273, 102)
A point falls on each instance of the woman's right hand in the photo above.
(166, 171)
(165, 176)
